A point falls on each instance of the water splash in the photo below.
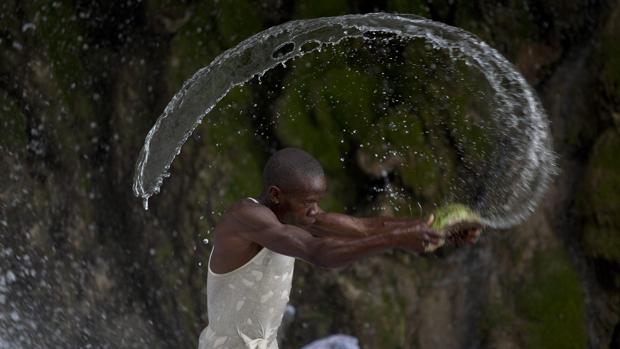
(519, 181)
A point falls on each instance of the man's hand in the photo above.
(416, 235)
(465, 236)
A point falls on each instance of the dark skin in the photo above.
(292, 223)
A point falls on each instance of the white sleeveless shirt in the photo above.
(245, 306)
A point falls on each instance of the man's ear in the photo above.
(275, 194)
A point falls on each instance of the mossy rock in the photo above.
(237, 20)
(191, 45)
(13, 123)
(232, 161)
(550, 300)
(315, 9)
(417, 7)
(610, 51)
(600, 200)
(547, 310)
(325, 110)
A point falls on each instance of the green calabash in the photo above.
(453, 214)
(453, 218)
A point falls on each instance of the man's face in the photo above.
(301, 204)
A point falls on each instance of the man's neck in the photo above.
(263, 199)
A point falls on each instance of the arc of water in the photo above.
(519, 110)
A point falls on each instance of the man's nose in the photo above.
(314, 210)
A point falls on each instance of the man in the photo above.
(257, 241)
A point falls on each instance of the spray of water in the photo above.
(519, 180)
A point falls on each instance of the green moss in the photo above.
(237, 20)
(496, 316)
(156, 7)
(504, 25)
(444, 119)
(13, 128)
(325, 109)
(600, 200)
(603, 243)
(62, 42)
(230, 160)
(63, 39)
(610, 51)
(415, 117)
(297, 128)
(380, 315)
(186, 304)
(550, 300)
(315, 9)
(416, 7)
(163, 254)
(404, 132)
(64, 76)
(192, 46)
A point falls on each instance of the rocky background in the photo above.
(83, 265)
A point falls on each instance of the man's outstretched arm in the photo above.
(262, 227)
(342, 225)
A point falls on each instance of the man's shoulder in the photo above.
(247, 211)
(246, 206)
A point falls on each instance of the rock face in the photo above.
(82, 264)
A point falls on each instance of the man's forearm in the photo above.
(332, 252)
(380, 224)
(337, 224)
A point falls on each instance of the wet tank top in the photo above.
(245, 306)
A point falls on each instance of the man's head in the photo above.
(293, 185)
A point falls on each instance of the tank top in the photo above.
(245, 306)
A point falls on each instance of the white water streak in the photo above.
(519, 114)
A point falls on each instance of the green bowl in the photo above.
(453, 218)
